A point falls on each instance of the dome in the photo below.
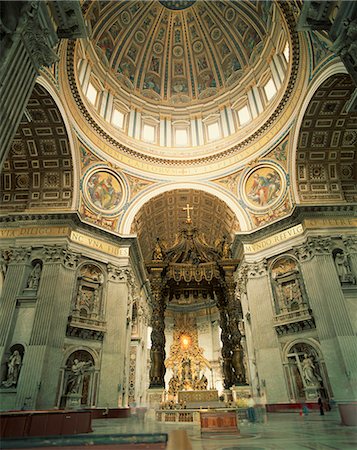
(190, 54)
(183, 80)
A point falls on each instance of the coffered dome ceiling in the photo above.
(182, 83)
(181, 53)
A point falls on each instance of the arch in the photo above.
(78, 379)
(39, 170)
(305, 370)
(215, 190)
(337, 67)
(72, 141)
(308, 341)
(74, 348)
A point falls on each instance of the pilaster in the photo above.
(112, 380)
(264, 339)
(42, 358)
(332, 319)
(19, 258)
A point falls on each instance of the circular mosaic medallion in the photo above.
(216, 34)
(197, 47)
(104, 191)
(177, 51)
(263, 187)
(158, 48)
(139, 37)
(125, 17)
(230, 14)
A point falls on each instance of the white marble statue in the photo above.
(76, 375)
(13, 369)
(34, 277)
(309, 372)
(342, 266)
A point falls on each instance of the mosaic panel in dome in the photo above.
(327, 147)
(38, 172)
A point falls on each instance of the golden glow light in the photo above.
(185, 341)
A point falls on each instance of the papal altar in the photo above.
(197, 397)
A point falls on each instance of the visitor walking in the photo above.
(321, 406)
(251, 409)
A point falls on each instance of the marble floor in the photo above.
(279, 431)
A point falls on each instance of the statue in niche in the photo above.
(13, 369)
(308, 371)
(75, 378)
(34, 277)
(343, 268)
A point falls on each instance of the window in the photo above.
(117, 118)
(181, 137)
(244, 115)
(286, 52)
(148, 133)
(92, 94)
(213, 131)
(270, 89)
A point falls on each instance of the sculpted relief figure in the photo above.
(13, 369)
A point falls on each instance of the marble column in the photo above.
(114, 345)
(333, 323)
(43, 356)
(264, 338)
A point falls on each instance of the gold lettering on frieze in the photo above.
(330, 222)
(98, 244)
(34, 231)
(274, 240)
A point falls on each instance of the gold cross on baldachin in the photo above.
(188, 209)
